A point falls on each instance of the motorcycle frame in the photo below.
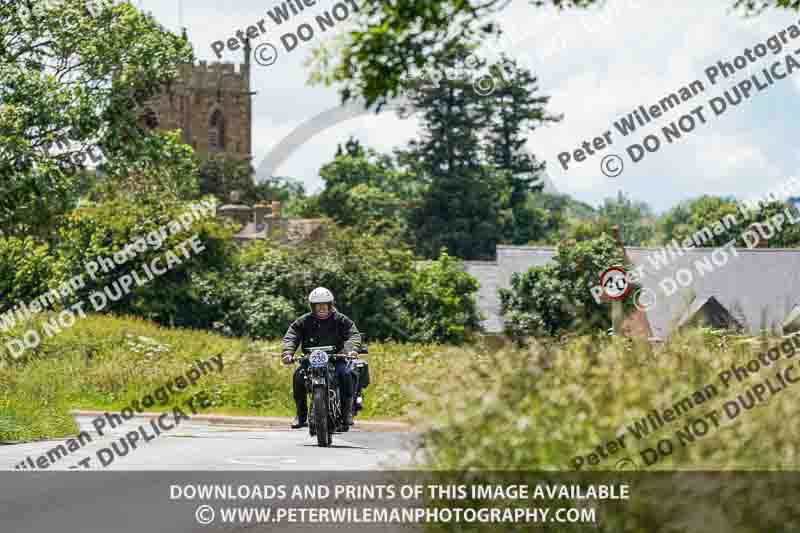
(324, 377)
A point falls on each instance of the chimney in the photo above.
(276, 209)
(240, 213)
(617, 233)
(261, 212)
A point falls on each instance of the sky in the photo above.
(596, 65)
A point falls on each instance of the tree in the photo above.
(670, 222)
(586, 230)
(368, 191)
(512, 111)
(105, 230)
(562, 211)
(786, 237)
(461, 208)
(634, 218)
(460, 213)
(393, 39)
(284, 189)
(222, 174)
(554, 298)
(372, 176)
(717, 221)
(69, 72)
(378, 283)
(529, 223)
(689, 217)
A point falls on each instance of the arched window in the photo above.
(216, 132)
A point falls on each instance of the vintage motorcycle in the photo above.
(325, 416)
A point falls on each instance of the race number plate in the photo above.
(318, 358)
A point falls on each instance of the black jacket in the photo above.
(337, 331)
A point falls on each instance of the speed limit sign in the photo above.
(615, 283)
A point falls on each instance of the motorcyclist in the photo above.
(323, 326)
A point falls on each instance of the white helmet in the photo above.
(320, 295)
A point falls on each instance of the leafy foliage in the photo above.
(25, 270)
(635, 218)
(221, 174)
(103, 230)
(555, 298)
(685, 219)
(461, 207)
(376, 283)
(393, 39)
(718, 220)
(367, 190)
(440, 304)
(512, 111)
(67, 73)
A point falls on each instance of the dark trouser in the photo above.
(343, 376)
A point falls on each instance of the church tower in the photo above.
(211, 104)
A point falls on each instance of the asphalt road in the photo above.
(135, 492)
(200, 445)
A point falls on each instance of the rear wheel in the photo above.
(321, 427)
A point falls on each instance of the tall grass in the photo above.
(105, 362)
(522, 416)
(539, 408)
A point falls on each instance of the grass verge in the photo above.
(105, 363)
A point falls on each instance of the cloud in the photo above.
(597, 65)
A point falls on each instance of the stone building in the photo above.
(212, 106)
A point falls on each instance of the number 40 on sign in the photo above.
(615, 283)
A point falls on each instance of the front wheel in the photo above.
(322, 429)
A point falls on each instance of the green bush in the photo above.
(25, 271)
(377, 283)
(554, 298)
(441, 301)
(104, 229)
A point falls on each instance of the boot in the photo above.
(300, 422)
(301, 407)
(358, 405)
(347, 411)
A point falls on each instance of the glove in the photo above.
(288, 359)
(353, 354)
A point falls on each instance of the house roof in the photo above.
(758, 287)
(710, 309)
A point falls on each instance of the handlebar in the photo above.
(335, 355)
